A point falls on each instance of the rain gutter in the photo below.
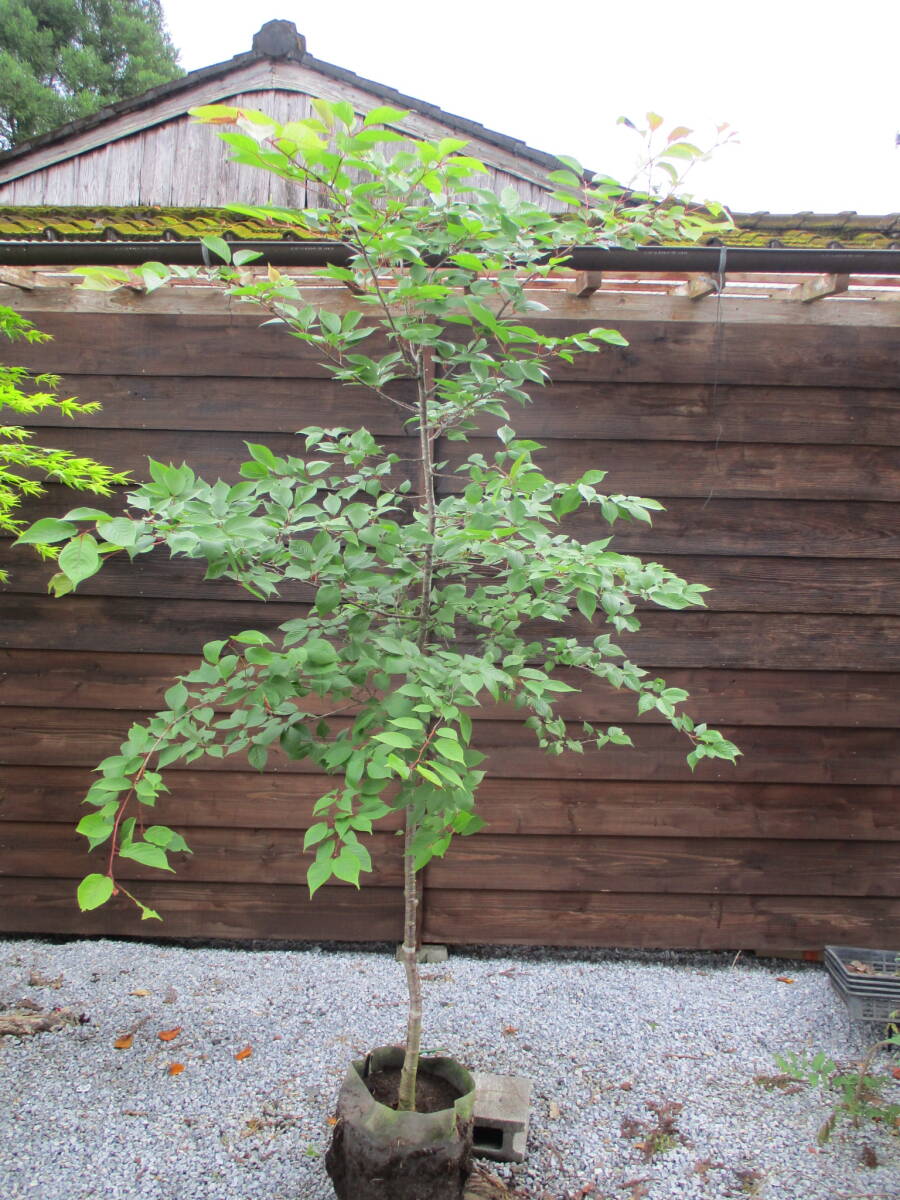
(711, 259)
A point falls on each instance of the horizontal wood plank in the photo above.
(73, 738)
(606, 307)
(218, 404)
(833, 529)
(275, 856)
(532, 862)
(735, 867)
(663, 470)
(210, 456)
(658, 922)
(200, 910)
(780, 483)
(237, 345)
(713, 469)
(631, 411)
(776, 528)
(702, 412)
(667, 639)
(779, 585)
(758, 355)
(84, 679)
(236, 800)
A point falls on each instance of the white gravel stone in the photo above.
(601, 1034)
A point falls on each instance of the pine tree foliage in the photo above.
(65, 59)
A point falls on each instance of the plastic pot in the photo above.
(377, 1153)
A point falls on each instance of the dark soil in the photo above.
(432, 1092)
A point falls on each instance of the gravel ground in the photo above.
(603, 1035)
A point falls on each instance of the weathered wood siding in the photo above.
(781, 491)
(174, 161)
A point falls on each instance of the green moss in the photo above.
(794, 231)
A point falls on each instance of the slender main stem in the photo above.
(406, 1098)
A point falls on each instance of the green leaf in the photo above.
(315, 834)
(392, 738)
(147, 855)
(385, 115)
(251, 637)
(673, 599)
(80, 559)
(86, 514)
(212, 650)
(176, 697)
(317, 873)
(241, 257)
(448, 748)
(218, 246)
(46, 532)
(119, 531)
(469, 262)
(428, 774)
(320, 653)
(347, 867)
(587, 603)
(258, 756)
(328, 597)
(567, 502)
(93, 891)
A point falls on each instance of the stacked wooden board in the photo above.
(768, 428)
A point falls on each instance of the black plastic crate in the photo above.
(868, 997)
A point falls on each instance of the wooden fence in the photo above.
(768, 428)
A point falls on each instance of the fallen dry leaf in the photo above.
(125, 1042)
(785, 979)
(860, 968)
(140, 992)
(25, 1019)
(176, 1068)
(510, 1029)
(245, 1053)
(868, 1158)
(35, 979)
(169, 1035)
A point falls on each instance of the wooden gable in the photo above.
(147, 151)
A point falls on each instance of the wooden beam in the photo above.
(18, 277)
(697, 286)
(611, 307)
(819, 287)
(586, 283)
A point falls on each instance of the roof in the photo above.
(38, 223)
(279, 43)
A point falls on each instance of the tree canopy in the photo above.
(64, 59)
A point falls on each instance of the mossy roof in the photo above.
(42, 223)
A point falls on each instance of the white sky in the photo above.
(811, 86)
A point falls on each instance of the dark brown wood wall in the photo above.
(780, 481)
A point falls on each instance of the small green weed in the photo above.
(859, 1092)
(656, 1136)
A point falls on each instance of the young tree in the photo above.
(17, 451)
(435, 586)
(64, 59)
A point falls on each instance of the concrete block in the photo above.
(426, 954)
(502, 1109)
